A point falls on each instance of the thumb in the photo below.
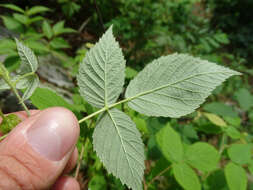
(36, 152)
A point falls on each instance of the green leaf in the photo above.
(240, 153)
(202, 156)
(33, 84)
(220, 109)
(97, 182)
(37, 46)
(216, 181)
(215, 119)
(250, 167)
(47, 30)
(236, 177)
(37, 9)
(7, 46)
(59, 43)
(29, 62)
(13, 7)
(174, 85)
(101, 74)
(170, 144)
(244, 98)
(8, 123)
(233, 132)
(186, 177)
(21, 18)
(58, 29)
(44, 98)
(12, 24)
(130, 73)
(118, 144)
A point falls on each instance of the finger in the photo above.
(66, 183)
(36, 152)
(72, 162)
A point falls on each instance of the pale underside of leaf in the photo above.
(29, 62)
(21, 84)
(33, 83)
(175, 85)
(119, 146)
(102, 72)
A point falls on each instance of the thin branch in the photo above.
(79, 162)
(158, 175)
(3, 137)
(99, 15)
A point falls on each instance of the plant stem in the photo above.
(222, 143)
(79, 162)
(158, 175)
(104, 109)
(14, 90)
(2, 137)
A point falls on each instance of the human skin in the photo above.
(39, 152)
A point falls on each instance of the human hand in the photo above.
(40, 151)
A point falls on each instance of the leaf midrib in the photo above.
(167, 85)
(27, 58)
(123, 145)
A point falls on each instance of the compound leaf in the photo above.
(236, 177)
(33, 83)
(170, 144)
(186, 177)
(202, 156)
(119, 146)
(174, 85)
(101, 74)
(29, 62)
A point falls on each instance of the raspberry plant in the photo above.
(170, 86)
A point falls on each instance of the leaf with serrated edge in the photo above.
(33, 84)
(102, 72)
(29, 62)
(119, 146)
(175, 85)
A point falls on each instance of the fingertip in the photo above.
(72, 162)
(66, 183)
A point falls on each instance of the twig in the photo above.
(84, 24)
(79, 162)
(158, 175)
(3, 137)
(99, 15)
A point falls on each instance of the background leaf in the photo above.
(220, 109)
(170, 144)
(175, 85)
(37, 9)
(215, 119)
(101, 74)
(47, 30)
(240, 153)
(244, 98)
(118, 144)
(44, 98)
(186, 177)
(202, 156)
(236, 177)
